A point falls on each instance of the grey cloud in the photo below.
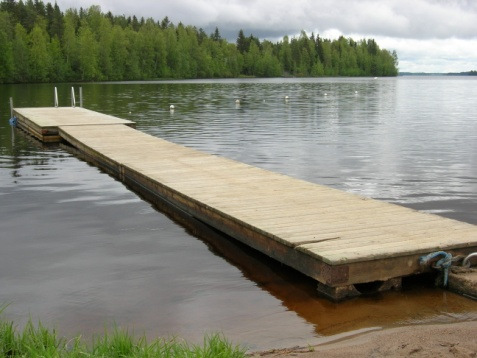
(396, 18)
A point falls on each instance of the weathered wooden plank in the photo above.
(360, 238)
(383, 250)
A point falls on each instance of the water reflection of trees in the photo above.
(21, 150)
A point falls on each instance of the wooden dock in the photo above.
(43, 122)
(343, 241)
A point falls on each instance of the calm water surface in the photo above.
(79, 251)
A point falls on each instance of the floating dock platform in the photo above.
(346, 242)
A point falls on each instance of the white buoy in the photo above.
(237, 101)
(286, 98)
(171, 107)
(375, 78)
(326, 94)
(355, 92)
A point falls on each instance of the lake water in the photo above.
(80, 252)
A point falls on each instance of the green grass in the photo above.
(39, 341)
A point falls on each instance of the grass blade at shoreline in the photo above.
(39, 341)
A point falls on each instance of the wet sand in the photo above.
(441, 340)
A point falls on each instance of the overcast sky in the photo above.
(428, 35)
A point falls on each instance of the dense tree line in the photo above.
(40, 43)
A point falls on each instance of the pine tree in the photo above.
(241, 42)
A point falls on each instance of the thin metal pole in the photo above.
(73, 101)
(11, 116)
(56, 97)
(81, 96)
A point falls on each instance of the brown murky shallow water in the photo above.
(81, 252)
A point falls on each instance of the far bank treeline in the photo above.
(40, 43)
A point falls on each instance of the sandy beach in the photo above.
(443, 340)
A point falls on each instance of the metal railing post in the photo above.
(11, 107)
(81, 96)
(56, 97)
(73, 101)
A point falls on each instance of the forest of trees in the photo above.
(40, 43)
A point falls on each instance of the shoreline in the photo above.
(434, 340)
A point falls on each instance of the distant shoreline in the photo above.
(468, 73)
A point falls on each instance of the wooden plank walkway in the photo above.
(339, 239)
